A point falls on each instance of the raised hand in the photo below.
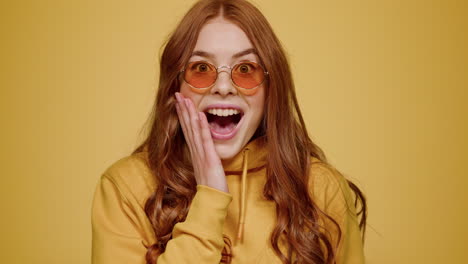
(207, 165)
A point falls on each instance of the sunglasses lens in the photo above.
(248, 75)
(200, 74)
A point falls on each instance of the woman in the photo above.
(228, 172)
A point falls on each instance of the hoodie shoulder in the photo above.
(329, 188)
(132, 176)
(331, 192)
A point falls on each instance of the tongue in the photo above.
(222, 124)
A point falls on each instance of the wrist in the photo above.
(218, 186)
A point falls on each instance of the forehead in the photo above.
(223, 39)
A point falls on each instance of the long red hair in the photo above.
(288, 164)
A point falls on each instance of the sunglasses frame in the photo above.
(265, 74)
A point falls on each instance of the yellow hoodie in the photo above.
(121, 228)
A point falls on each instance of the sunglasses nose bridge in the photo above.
(223, 85)
(224, 68)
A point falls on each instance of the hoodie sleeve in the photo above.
(333, 194)
(121, 229)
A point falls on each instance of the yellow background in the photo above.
(383, 87)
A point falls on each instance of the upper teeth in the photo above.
(223, 112)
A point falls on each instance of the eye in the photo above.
(246, 68)
(201, 67)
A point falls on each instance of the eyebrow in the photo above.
(206, 54)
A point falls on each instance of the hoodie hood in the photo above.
(255, 162)
(250, 159)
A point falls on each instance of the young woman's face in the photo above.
(220, 42)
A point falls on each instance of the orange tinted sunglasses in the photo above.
(246, 75)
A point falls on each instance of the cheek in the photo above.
(187, 89)
(258, 102)
(249, 92)
(197, 91)
(187, 92)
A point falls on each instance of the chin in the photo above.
(227, 150)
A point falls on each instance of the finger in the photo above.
(194, 152)
(195, 126)
(183, 119)
(207, 140)
(186, 120)
(182, 125)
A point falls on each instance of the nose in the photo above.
(223, 85)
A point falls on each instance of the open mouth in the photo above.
(223, 121)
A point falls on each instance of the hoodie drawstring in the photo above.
(243, 187)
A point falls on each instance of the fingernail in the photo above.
(177, 96)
